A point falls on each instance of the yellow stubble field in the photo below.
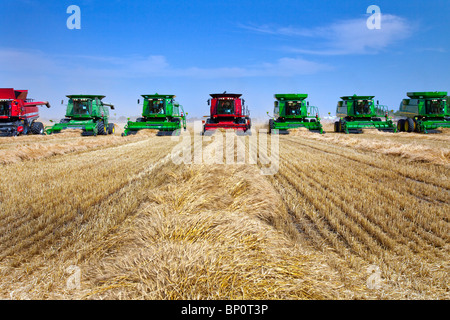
(344, 217)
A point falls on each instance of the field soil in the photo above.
(362, 216)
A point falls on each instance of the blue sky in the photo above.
(194, 48)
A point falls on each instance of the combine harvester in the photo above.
(18, 114)
(359, 112)
(160, 112)
(424, 111)
(291, 111)
(227, 111)
(88, 113)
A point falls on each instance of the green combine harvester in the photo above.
(88, 113)
(291, 111)
(160, 112)
(359, 112)
(424, 111)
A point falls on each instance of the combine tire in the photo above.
(37, 128)
(401, 125)
(111, 128)
(101, 128)
(410, 125)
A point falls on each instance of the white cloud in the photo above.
(38, 63)
(345, 37)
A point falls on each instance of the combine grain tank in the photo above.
(424, 111)
(359, 112)
(160, 112)
(88, 113)
(18, 114)
(291, 111)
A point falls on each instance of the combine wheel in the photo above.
(101, 128)
(410, 125)
(37, 128)
(401, 125)
(111, 128)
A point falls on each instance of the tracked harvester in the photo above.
(227, 111)
(87, 113)
(424, 111)
(160, 112)
(359, 112)
(18, 114)
(291, 111)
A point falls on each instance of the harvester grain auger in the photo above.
(359, 112)
(291, 111)
(18, 114)
(87, 113)
(160, 112)
(424, 111)
(227, 111)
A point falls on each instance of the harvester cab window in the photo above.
(225, 107)
(156, 106)
(362, 107)
(82, 107)
(4, 108)
(293, 108)
(435, 106)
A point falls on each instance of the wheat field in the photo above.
(135, 225)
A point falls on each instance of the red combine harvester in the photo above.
(18, 114)
(228, 111)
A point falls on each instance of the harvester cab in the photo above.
(160, 112)
(292, 111)
(87, 113)
(18, 114)
(424, 111)
(227, 111)
(359, 112)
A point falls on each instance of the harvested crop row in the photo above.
(348, 201)
(18, 149)
(71, 201)
(414, 146)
